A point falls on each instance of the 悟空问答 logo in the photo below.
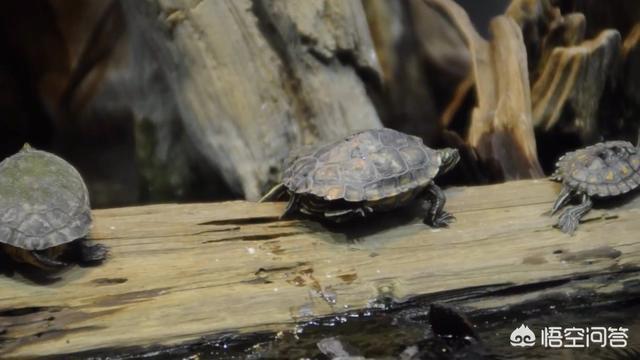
(523, 336)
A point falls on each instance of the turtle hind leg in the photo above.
(436, 216)
(570, 218)
(43, 261)
(563, 199)
(343, 215)
(5, 262)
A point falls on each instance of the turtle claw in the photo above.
(91, 254)
(364, 211)
(567, 223)
(360, 212)
(442, 219)
(570, 218)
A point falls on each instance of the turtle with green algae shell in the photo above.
(602, 170)
(369, 171)
(44, 211)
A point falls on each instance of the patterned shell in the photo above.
(43, 201)
(366, 166)
(604, 169)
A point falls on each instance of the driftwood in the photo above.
(576, 76)
(177, 273)
(423, 57)
(544, 28)
(601, 15)
(405, 102)
(573, 79)
(631, 66)
(502, 117)
(190, 100)
(252, 79)
(580, 75)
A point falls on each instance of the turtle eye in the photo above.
(605, 154)
(617, 150)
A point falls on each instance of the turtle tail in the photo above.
(274, 194)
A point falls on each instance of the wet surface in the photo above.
(415, 331)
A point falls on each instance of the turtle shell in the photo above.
(43, 201)
(604, 169)
(367, 166)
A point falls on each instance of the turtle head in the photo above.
(450, 158)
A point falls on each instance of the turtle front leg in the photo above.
(91, 254)
(436, 216)
(568, 221)
(563, 199)
(292, 206)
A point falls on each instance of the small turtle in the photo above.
(372, 170)
(44, 208)
(602, 170)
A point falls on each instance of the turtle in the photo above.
(602, 170)
(369, 171)
(44, 211)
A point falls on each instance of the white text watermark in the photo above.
(571, 337)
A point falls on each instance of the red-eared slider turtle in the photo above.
(372, 170)
(602, 170)
(44, 208)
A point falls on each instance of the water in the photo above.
(405, 332)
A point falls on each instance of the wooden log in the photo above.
(177, 273)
